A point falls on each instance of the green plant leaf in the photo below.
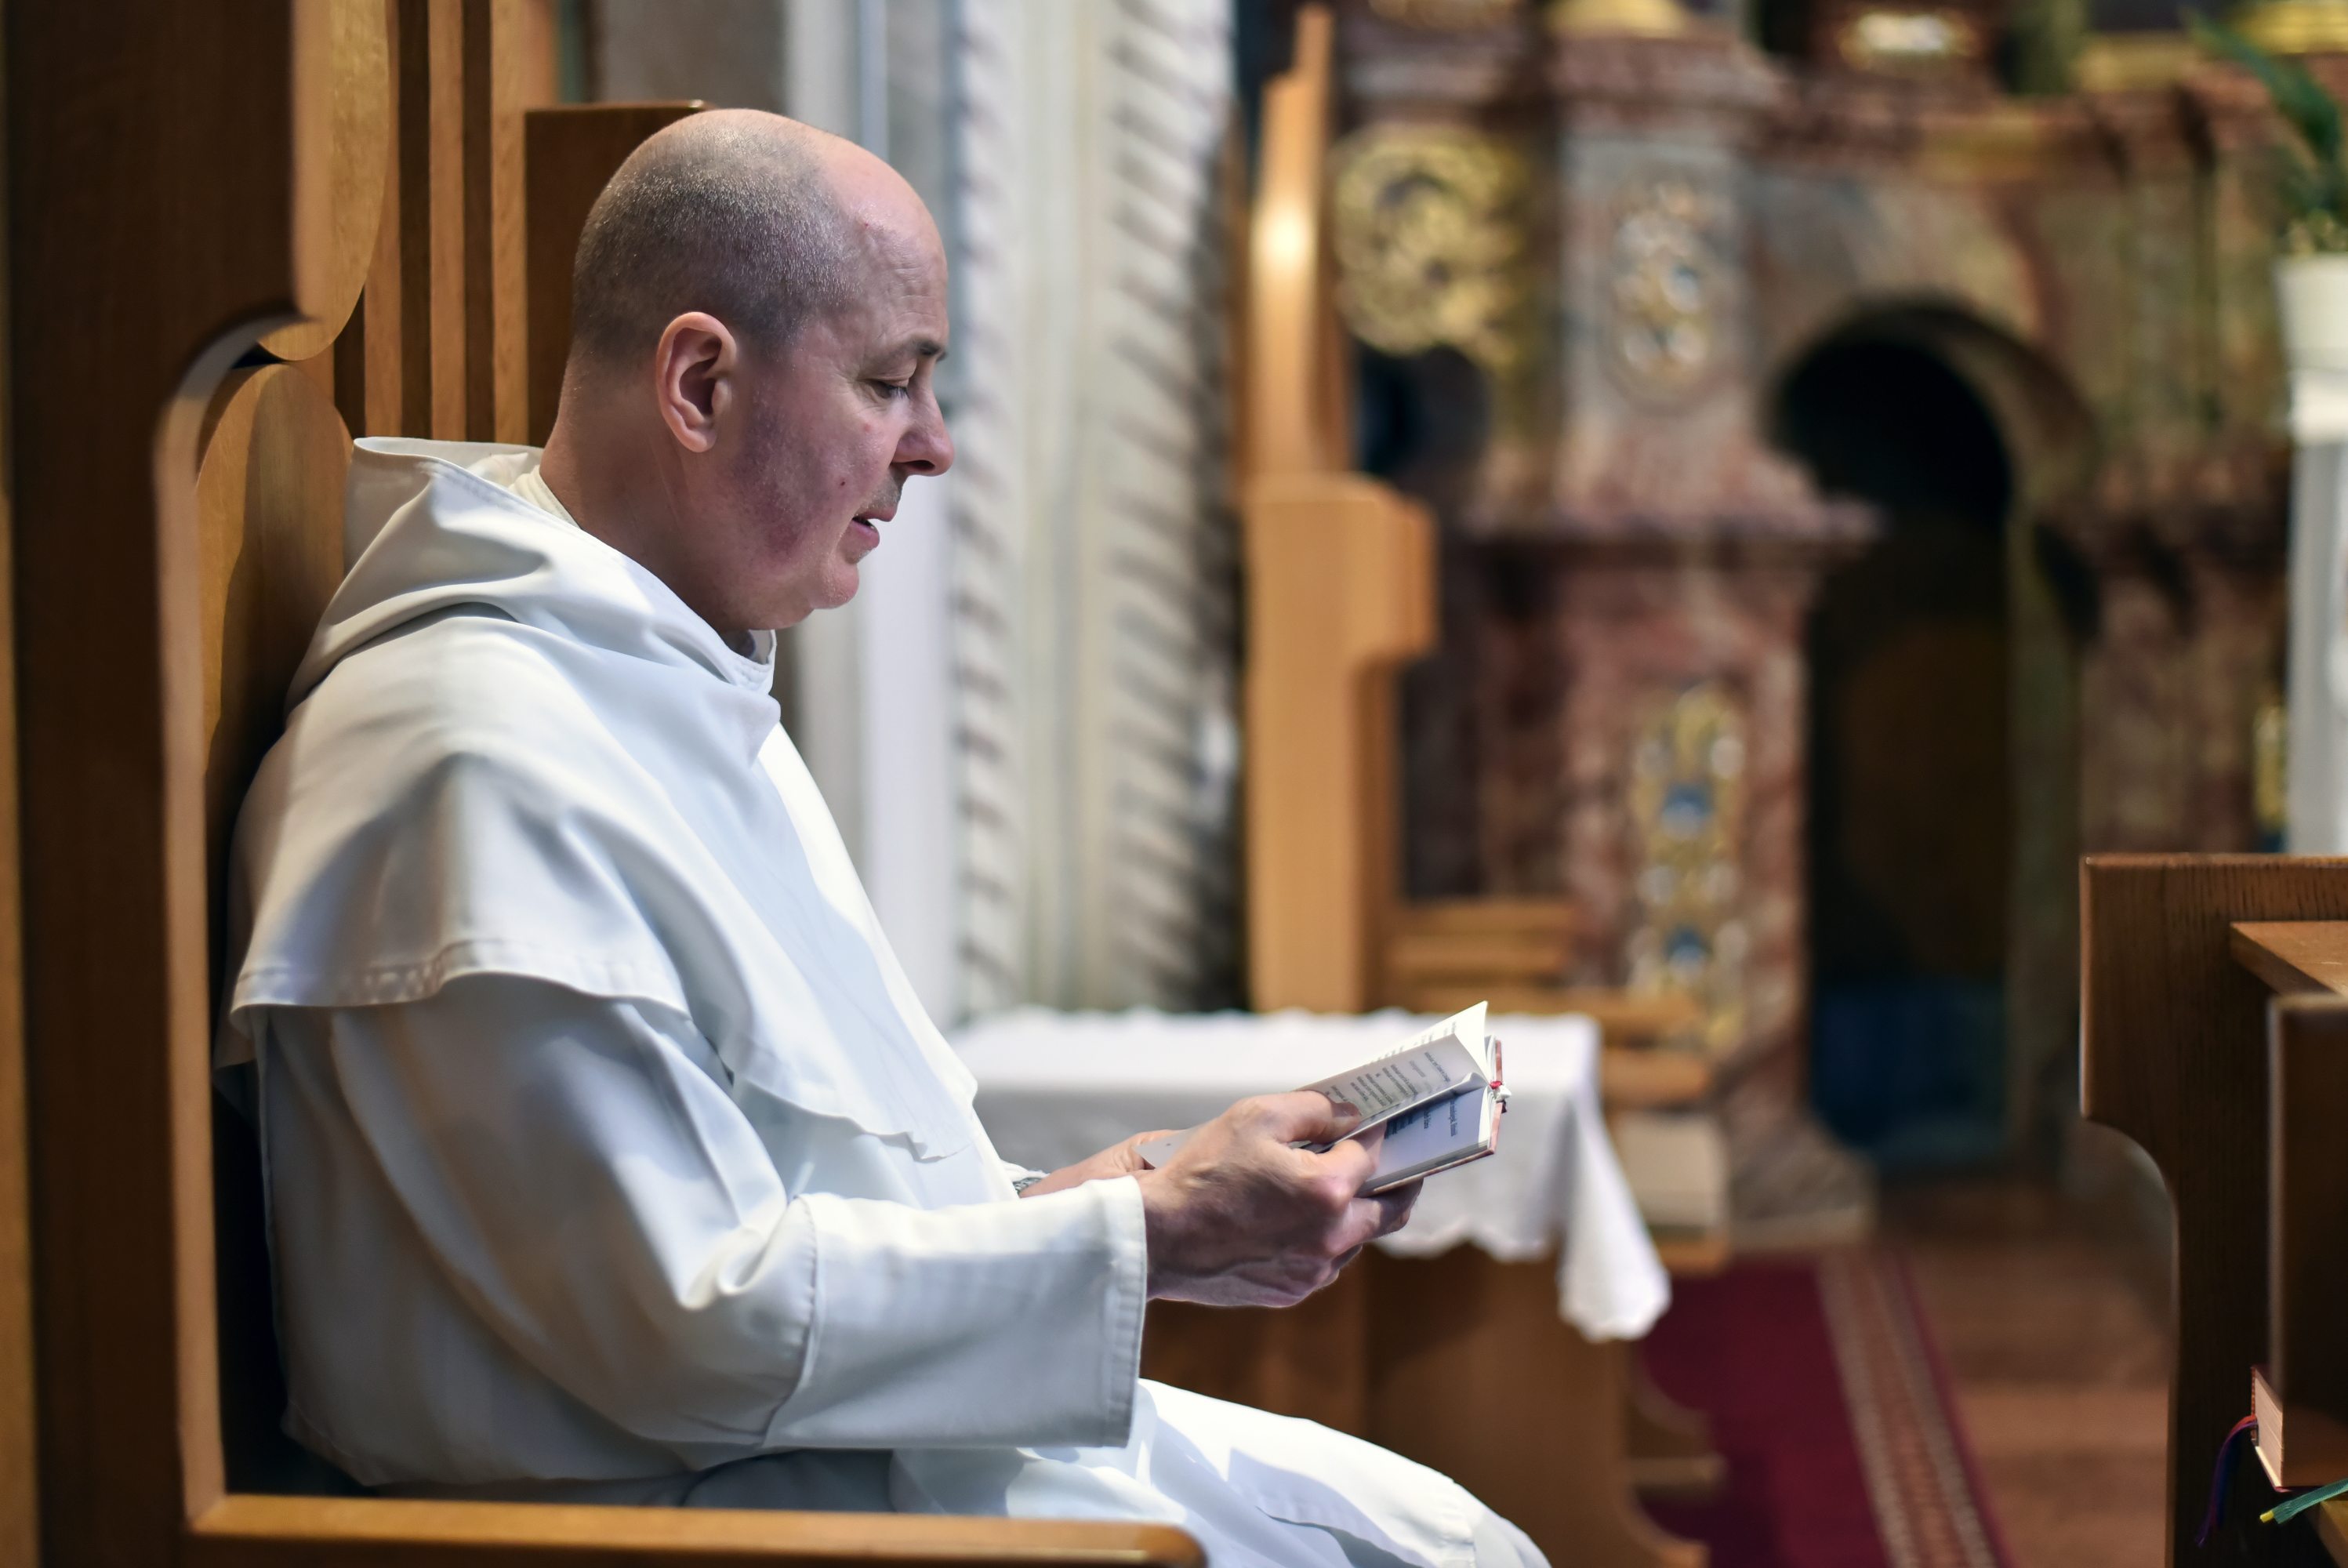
(2299, 98)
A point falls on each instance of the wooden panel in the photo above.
(2300, 957)
(572, 152)
(1290, 425)
(175, 219)
(19, 1474)
(1472, 1373)
(353, 1532)
(1629, 1079)
(496, 318)
(1331, 562)
(2169, 1056)
(345, 111)
(371, 353)
(2307, 1355)
(1555, 917)
(434, 48)
(269, 498)
(1473, 957)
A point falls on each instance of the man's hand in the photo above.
(1238, 1218)
(1119, 1160)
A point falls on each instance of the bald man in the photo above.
(610, 1156)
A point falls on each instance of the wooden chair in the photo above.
(184, 180)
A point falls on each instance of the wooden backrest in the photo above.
(197, 182)
(2173, 1055)
(1341, 593)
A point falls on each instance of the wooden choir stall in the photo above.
(262, 226)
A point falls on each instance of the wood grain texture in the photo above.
(496, 318)
(437, 33)
(1291, 426)
(344, 111)
(168, 242)
(19, 1471)
(571, 154)
(269, 496)
(370, 354)
(2169, 1056)
(2294, 957)
(373, 1532)
(1334, 565)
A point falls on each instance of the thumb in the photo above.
(1307, 1116)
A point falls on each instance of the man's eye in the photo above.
(894, 388)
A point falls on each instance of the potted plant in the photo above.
(2312, 275)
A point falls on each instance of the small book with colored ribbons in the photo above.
(1433, 1102)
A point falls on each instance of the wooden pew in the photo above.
(2181, 957)
(182, 183)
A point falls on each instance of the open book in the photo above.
(1430, 1103)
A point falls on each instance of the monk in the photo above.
(610, 1156)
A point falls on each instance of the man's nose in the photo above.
(927, 448)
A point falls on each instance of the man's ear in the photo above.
(692, 378)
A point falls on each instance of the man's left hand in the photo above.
(1117, 1159)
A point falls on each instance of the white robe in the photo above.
(609, 1154)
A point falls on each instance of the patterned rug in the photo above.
(1831, 1407)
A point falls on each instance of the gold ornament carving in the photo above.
(1689, 934)
(1444, 15)
(1663, 288)
(1430, 240)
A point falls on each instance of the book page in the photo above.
(1432, 1136)
(1409, 1077)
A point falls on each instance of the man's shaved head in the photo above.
(732, 213)
(759, 310)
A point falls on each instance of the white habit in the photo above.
(610, 1155)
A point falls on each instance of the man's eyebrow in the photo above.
(926, 348)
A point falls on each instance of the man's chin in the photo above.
(839, 586)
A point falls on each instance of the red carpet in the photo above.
(1830, 1404)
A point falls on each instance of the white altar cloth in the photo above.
(1054, 1087)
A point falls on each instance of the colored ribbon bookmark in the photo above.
(2285, 1512)
(2221, 1479)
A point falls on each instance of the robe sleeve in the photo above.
(578, 1169)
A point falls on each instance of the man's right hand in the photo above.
(1239, 1218)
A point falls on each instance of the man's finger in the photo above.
(1306, 1116)
(1396, 1206)
(1348, 1163)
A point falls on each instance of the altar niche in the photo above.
(1943, 677)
